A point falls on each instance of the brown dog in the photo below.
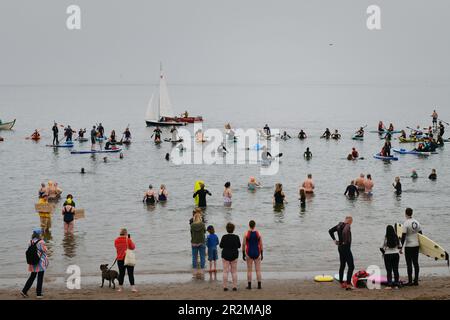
(109, 275)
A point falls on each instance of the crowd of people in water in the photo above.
(204, 239)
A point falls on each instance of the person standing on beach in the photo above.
(410, 242)
(37, 263)
(68, 212)
(252, 253)
(198, 240)
(122, 244)
(212, 241)
(201, 193)
(391, 255)
(230, 244)
(344, 243)
(55, 131)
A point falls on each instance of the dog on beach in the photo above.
(109, 275)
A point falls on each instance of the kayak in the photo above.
(95, 151)
(418, 153)
(410, 140)
(359, 138)
(35, 138)
(7, 125)
(380, 157)
(386, 131)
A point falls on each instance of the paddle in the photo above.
(362, 127)
(444, 122)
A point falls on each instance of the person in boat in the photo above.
(101, 130)
(336, 135)
(403, 134)
(285, 136)
(55, 131)
(433, 175)
(397, 186)
(279, 198)
(381, 126)
(417, 133)
(308, 184)
(441, 129)
(302, 135)
(326, 134)
(93, 136)
(174, 133)
(360, 133)
(185, 114)
(307, 154)
(36, 135)
(391, 127)
(201, 193)
(127, 134)
(435, 117)
(157, 133)
(81, 133)
(149, 196)
(253, 184)
(162, 194)
(68, 133)
(266, 130)
(359, 182)
(352, 191)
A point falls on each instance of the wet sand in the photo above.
(430, 288)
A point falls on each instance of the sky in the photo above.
(232, 42)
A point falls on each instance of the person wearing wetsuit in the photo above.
(55, 131)
(149, 196)
(352, 191)
(410, 243)
(360, 132)
(101, 130)
(127, 134)
(81, 133)
(397, 186)
(433, 175)
(381, 127)
(93, 135)
(157, 133)
(308, 154)
(266, 129)
(386, 151)
(343, 230)
(285, 136)
(441, 129)
(302, 135)
(68, 133)
(440, 141)
(201, 193)
(326, 134)
(336, 135)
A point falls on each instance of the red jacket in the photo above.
(121, 246)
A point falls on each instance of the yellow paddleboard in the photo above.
(323, 278)
(427, 246)
(196, 188)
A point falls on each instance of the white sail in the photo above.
(152, 110)
(165, 108)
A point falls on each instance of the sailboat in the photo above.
(159, 111)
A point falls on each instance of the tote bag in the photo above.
(130, 258)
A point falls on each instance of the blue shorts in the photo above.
(212, 254)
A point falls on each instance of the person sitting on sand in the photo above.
(252, 253)
(308, 184)
(391, 255)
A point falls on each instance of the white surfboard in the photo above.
(427, 246)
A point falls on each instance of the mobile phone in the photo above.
(129, 235)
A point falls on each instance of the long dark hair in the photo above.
(391, 237)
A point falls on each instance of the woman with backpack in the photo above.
(68, 212)
(37, 263)
(391, 254)
(252, 252)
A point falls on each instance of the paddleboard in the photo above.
(69, 145)
(95, 151)
(323, 278)
(414, 152)
(377, 156)
(427, 246)
(196, 188)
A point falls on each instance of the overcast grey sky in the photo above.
(224, 42)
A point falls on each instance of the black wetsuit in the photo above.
(398, 188)
(352, 190)
(279, 198)
(344, 247)
(157, 133)
(301, 135)
(93, 135)
(149, 199)
(101, 131)
(201, 197)
(69, 134)
(55, 134)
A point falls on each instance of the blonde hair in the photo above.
(197, 218)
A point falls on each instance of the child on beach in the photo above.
(212, 241)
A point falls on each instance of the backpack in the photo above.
(32, 254)
(359, 279)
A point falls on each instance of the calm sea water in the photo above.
(111, 192)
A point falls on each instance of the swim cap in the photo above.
(37, 230)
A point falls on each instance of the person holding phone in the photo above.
(122, 244)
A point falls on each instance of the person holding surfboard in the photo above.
(201, 193)
(410, 243)
(344, 242)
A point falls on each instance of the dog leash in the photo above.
(112, 264)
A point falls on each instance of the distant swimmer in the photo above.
(279, 198)
(162, 194)
(221, 149)
(397, 186)
(433, 175)
(336, 135)
(414, 174)
(307, 154)
(266, 129)
(167, 157)
(82, 171)
(368, 185)
(308, 184)
(253, 184)
(265, 154)
(149, 196)
(302, 135)
(227, 194)
(352, 191)
(302, 197)
(326, 134)
(359, 182)
(157, 133)
(285, 136)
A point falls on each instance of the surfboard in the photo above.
(323, 278)
(427, 246)
(196, 188)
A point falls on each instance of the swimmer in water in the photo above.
(162, 194)
(82, 171)
(397, 186)
(227, 194)
(302, 135)
(352, 191)
(279, 198)
(253, 184)
(433, 175)
(302, 197)
(149, 196)
(414, 174)
(307, 155)
(336, 135)
(326, 134)
(308, 184)
(167, 157)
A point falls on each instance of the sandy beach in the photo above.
(430, 288)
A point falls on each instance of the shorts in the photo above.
(212, 254)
